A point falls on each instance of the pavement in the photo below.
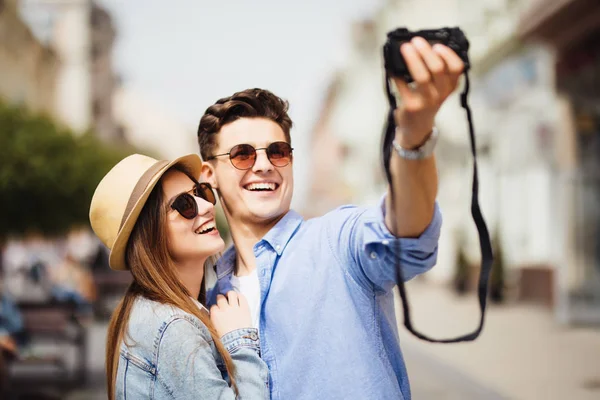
(522, 353)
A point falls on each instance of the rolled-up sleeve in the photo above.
(376, 252)
(245, 337)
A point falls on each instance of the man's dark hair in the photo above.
(249, 103)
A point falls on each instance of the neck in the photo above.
(245, 235)
(191, 274)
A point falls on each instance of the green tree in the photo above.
(47, 174)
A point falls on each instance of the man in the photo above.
(321, 289)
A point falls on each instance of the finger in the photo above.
(457, 66)
(214, 309)
(454, 63)
(233, 298)
(417, 68)
(412, 100)
(405, 91)
(222, 301)
(437, 67)
(420, 72)
(433, 61)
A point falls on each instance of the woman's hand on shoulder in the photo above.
(230, 313)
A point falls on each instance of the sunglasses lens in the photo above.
(279, 153)
(242, 156)
(185, 204)
(204, 191)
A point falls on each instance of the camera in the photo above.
(394, 63)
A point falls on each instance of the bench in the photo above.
(55, 325)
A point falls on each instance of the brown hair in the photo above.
(155, 278)
(249, 103)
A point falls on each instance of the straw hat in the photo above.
(121, 195)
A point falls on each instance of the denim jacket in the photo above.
(169, 354)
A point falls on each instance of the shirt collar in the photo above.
(278, 238)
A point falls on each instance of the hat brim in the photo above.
(191, 162)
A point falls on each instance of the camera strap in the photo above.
(484, 237)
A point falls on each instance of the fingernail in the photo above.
(419, 41)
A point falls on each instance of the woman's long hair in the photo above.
(155, 278)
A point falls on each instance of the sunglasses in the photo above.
(243, 156)
(185, 204)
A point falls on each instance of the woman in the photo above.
(159, 224)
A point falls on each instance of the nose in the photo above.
(262, 163)
(205, 208)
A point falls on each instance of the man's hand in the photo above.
(436, 71)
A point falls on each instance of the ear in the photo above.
(207, 174)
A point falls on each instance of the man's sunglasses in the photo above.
(243, 156)
(185, 204)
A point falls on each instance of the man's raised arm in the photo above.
(436, 71)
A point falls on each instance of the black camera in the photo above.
(394, 63)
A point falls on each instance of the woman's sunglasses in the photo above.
(185, 204)
(243, 156)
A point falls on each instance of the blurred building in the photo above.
(82, 34)
(521, 111)
(28, 67)
(344, 146)
(104, 80)
(150, 127)
(572, 29)
(529, 193)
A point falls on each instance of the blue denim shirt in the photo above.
(327, 322)
(169, 354)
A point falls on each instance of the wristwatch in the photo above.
(421, 152)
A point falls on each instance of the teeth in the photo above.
(261, 186)
(206, 228)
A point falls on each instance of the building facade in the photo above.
(572, 29)
(28, 68)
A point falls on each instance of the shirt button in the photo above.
(278, 247)
(373, 255)
(263, 272)
(386, 242)
(253, 336)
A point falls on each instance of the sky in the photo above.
(184, 55)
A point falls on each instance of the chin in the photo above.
(267, 210)
(263, 213)
(218, 246)
(211, 248)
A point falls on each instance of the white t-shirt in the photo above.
(250, 287)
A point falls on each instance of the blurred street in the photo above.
(522, 353)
